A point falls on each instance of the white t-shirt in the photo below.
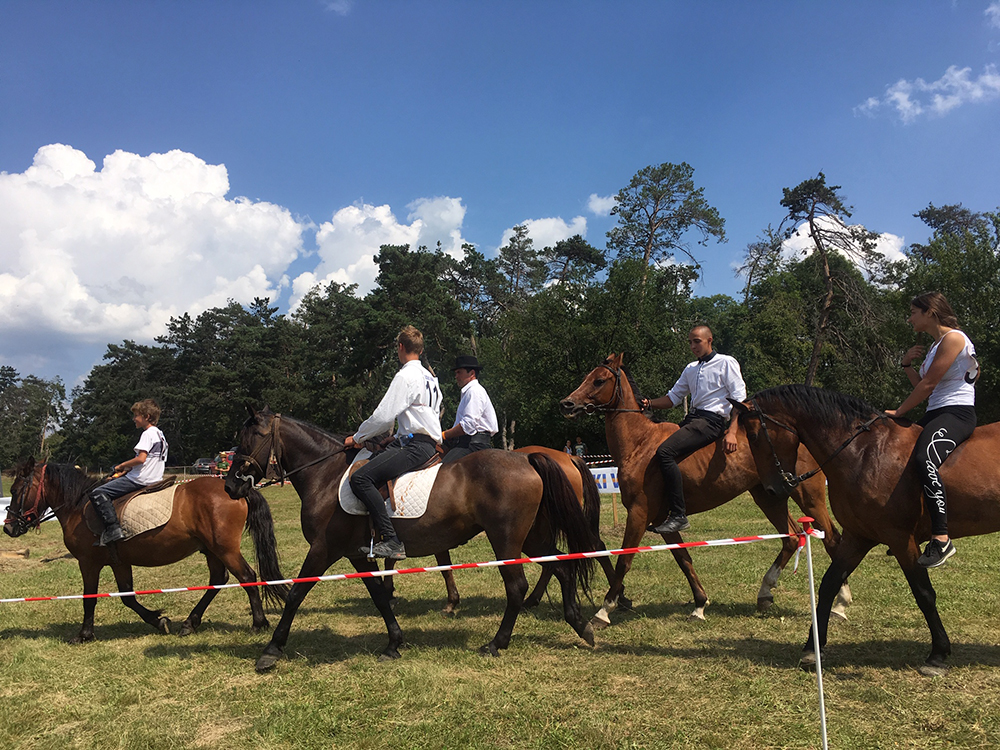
(414, 398)
(958, 386)
(155, 445)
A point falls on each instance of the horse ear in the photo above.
(739, 406)
(250, 410)
(25, 467)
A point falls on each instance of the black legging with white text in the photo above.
(944, 430)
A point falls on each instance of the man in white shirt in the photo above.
(144, 469)
(710, 380)
(414, 399)
(476, 419)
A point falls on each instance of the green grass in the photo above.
(655, 680)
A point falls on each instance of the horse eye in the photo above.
(600, 381)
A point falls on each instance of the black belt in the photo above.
(711, 416)
(417, 437)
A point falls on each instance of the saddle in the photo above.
(378, 445)
(119, 503)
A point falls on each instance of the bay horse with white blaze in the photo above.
(875, 491)
(521, 502)
(711, 478)
(204, 519)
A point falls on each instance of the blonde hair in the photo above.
(411, 339)
(148, 409)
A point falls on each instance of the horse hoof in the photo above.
(489, 650)
(163, 625)
(186, 629)
(839, 614)
(588, 634)
(267, 661)
(933, 670)
(390, 654)
(808, 662)
(698, 615)
(258, 627)
(624, 603)
(764, 603)
(81, 638)
(530, 603)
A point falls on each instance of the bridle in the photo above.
(790, 479)
(274, 455)
(616, 396)
(32, 517)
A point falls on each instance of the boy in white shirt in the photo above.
(144, 469)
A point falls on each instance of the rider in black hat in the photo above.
(476, 420)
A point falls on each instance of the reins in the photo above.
(792, 480)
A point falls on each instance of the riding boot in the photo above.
(106, 512)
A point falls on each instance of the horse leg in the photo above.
(850, 552)
(777, 513)
(571, 604)
(91, 579)
(444, 558)
(923, 592)
(686, 565)
(217, 575)
(516, 586)
(389, 582)
(811, 498)
(380, 597)
(535, 597)
(315, 564)
(155, 618)
(635, 527)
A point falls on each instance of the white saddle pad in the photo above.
(411, 492)
(150, 511)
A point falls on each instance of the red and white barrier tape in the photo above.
(436, 568)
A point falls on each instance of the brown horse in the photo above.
(521, 502)
(875, 492)
(711, 478)
(589, 497)
(204, 519)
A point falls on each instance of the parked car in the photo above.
(203, 466)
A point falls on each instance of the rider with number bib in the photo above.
(947, 379)
(414, 399)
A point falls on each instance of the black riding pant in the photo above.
(468, 444)
(698, 429)
(395, 460)
(944, 430)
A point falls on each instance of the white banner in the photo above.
(606, 478)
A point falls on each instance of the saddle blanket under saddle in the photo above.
(140, 514)
(410, 493)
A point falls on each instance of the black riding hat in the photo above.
(466, 362)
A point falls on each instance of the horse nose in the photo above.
(567, 405)
(8, 529)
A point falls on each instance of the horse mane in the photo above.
(74, 482)
(632, 383)
(826, 407)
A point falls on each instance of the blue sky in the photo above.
(161, 157)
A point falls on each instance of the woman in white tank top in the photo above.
(946, 380)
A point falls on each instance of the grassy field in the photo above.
(655, 680)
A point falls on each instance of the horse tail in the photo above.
(565, 516)
(591, 497)
(260, 524)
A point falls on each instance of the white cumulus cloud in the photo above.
(992, 14)
(547, 232)
(601, 205)
(801, 243)
(911, 99)
(348, 242)
(90, 256)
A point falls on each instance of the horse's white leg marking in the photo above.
(842, 602)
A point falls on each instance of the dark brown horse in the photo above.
(589, 497)
(711, 478)
(204, 519)
(874, 488)
(521, 502)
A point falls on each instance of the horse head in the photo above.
(257, 441)
(603, 389)
(27, 502)
(774, 444)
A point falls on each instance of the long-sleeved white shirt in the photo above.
(709, 382)
(414, 399)
(475, 410)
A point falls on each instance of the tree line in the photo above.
(539, 319)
